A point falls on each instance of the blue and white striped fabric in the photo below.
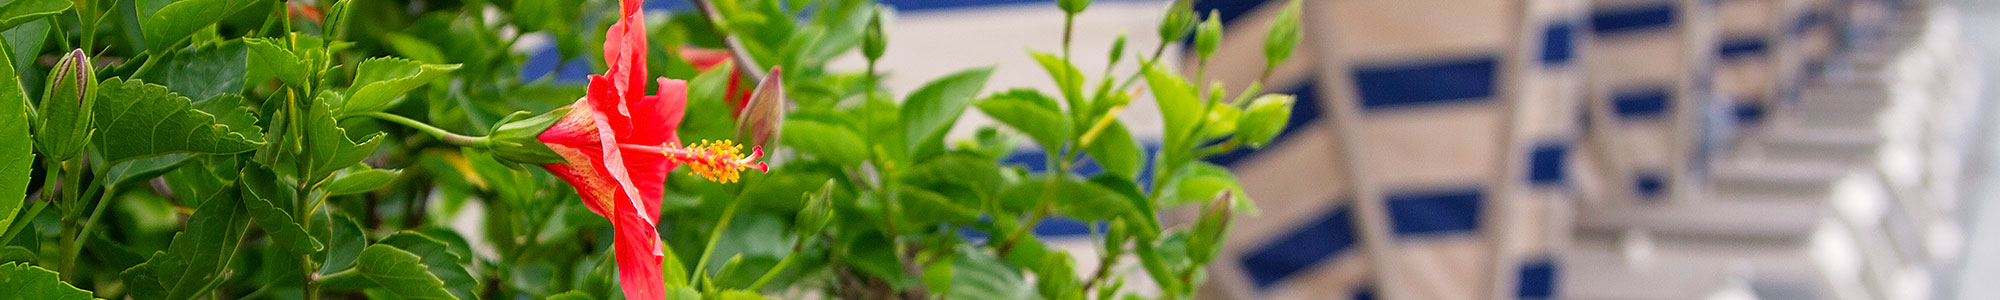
(1650, 60)
(1428, 79)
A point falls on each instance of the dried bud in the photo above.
(65, 111)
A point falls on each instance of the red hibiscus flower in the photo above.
(618, 144)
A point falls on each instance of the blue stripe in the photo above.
(1545, 163)
(1319, 240)
(1430, 82)
(1537, 280)
(1742, 47)
(1647, 103)
(1363, 293)
(1230, 9)
(1806, 21)
(1650, 186)
(1559, 43)
(1304, 111)
(1625, 20)
(1435, 212)
(1749, 113)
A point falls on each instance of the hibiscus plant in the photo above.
(305, 149)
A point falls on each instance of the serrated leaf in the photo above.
(327, 143)
(381, 81)
(137, 119)
(269, 57)
(1116, 151)
(17, 157)
(1031, 113)
(401, 272)
(196, 260)
(230, 110)
(203, 73)
(979, 275)
(932, 109)
(262, 196)
(138, 170)
(24, 281)
(925, 208)
(176, 21)
(438, 261)
(14, 13)
(344, 244)
(361, 182)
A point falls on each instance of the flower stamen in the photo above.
(720, 161)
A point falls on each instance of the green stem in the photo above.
(446, 136)
(1041, 212)
(90, 224)
(780, 268)
(714, 237)
(22, 223)
(67, 263)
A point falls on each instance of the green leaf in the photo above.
(833, 142)
(1221, 121)
(401, 272)
(1116, 150)
(1033, 114)
(262, 194)
(180, 19)
(269, 57)
(15, 12)
(1090, 202)
(580, 295)
(414, 48)
(932, 109)
(203, 73)
(438, 260)
(17, 254)
(197, 259)
(361, 182)
(17, 157)
(1265, 119)
(925, 208)
(344, 244)
(138, 170)
(24, 281)
(1180, 109)
(979, 275)
(978, 174)
(138, 119)
(328, 143)
(1067, 77)
(381, 81)
(1203, 182)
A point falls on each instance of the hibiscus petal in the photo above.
(638, 249)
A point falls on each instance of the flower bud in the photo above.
(1118, 49)
(1073, 6)
(1209, 35)
(515, 139)
(819, 209)
(1209, 231)
(873, 41)
(1284, 35)
(1180, 18)
(1263, 119)
(65, 111)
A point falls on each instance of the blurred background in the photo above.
(1532, 149)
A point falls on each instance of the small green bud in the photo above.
(1115, 236)
(873, 41)
(65, 110)
(1210, 230)
(1073, 6)
(1222, 120)
(1284, 35)
(1265, 118)
(1180, 19)
(819, 209)
(1118, 49)
(1209, 35)
(518, 140)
